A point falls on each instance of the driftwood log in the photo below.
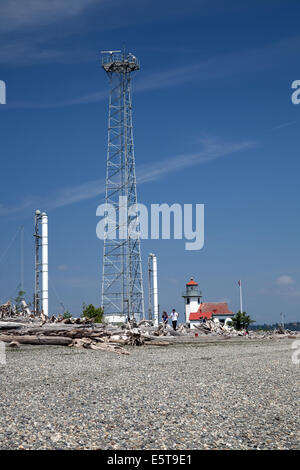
(31, 339)
(7, 325)
(99, 346)
(99, 337)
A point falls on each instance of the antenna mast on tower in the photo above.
(122, 279)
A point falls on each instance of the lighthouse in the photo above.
(192, 298)
(197, 311)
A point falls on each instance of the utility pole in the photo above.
(241, 296)
(122, 278)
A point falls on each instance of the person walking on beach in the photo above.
(165, 318)
(174, 317)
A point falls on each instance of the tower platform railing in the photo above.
(116, 60)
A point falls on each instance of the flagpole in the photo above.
(241, 297)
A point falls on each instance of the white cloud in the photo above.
(293, 292)
(287, 286)
(212, 150)
(4, 210)
(30, 33)
(284, 286)
(37, 20)
(62, 267)
(20, 14)
(236, 63)
(39, 27)
(285, 280)
(26, 52)
(286, 124)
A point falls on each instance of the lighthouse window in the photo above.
(188, 301)
(198, 300)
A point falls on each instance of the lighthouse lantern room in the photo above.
(192, 298)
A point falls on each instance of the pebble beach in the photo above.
(235, 394)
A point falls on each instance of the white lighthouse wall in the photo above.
(187, 311)
(194, 304)
(191, 307)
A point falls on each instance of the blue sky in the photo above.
(214, 124)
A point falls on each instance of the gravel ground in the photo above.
(222, 395)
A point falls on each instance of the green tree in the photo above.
(241, 321)
(66, 315)
(93, 313)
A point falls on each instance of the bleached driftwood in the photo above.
(31, 339)
(5, 325)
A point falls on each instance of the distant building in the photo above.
(197, 312)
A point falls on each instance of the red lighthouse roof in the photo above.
(192, 282)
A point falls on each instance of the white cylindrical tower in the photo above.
(155, 291)
(44, 223)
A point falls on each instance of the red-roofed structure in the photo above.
(208, 310)
(197, 316)
(196, 312)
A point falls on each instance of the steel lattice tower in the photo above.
(122, 279)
